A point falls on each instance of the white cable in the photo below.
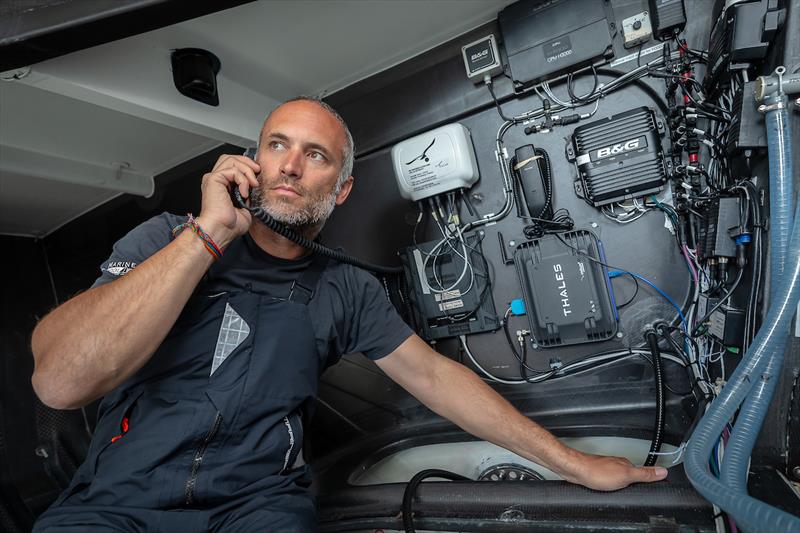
(435, 276)
(492, 377)
(615, 356)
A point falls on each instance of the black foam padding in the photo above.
(486, 505)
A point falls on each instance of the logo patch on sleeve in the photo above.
(120, 268)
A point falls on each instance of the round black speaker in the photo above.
(194, 72)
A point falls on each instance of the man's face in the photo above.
(301, 152)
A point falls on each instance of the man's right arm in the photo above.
(95, 341)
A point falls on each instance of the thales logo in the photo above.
(479, 55)
(561, 286)
(619, 148)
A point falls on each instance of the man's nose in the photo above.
(292, 164)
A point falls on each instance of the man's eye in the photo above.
(276, 145)
(317, 156)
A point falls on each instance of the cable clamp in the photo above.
(780, 71)
(764, 108)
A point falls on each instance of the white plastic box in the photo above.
(434, 162)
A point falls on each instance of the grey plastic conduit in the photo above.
(750, 514)
(781, 196)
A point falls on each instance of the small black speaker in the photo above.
(194, 72)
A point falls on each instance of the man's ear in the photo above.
(344, 191)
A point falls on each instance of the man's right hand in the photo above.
(218, 216)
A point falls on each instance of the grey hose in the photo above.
(751, 416)
(750, 513)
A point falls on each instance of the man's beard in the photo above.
(314, 211)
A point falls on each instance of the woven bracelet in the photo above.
(208, 242)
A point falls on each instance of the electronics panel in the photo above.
(621, 191)
(615, 139)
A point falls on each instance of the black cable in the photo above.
(666, 385)
(315, 247)
(545, 221)
(699, 54)
(582, 99)
(641, 84)
(465, 198)
(699, 105)
(700, 323)
(523, 364)
(561, 221)
(496, 103)
(658, 371)
(665, 330)
(635, 292)
(755, 284)
(411, 489)
(548, 172)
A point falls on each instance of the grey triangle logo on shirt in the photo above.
(233, 331)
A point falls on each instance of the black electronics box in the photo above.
(748, 130)
(482, 58)
(741, 35)
(668, 16)
(618, 157)
(546, 38)
(466, 306)
(714, 236)
(567, 295)
(726, 324)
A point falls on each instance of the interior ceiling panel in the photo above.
(50, 126)
(116, 102)
(33, 207)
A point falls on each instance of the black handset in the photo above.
(534, 185)
(237, 199)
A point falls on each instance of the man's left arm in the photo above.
(458, 394)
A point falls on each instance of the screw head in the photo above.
(796, 472)
(620, 334)
(512, 243)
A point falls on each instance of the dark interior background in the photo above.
(40, 448)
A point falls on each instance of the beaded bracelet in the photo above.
(209, 243)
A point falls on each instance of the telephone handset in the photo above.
(289, 233)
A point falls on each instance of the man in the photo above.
(208, 368)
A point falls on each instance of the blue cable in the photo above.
(615, 273)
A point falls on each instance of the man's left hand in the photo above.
(600, 472)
